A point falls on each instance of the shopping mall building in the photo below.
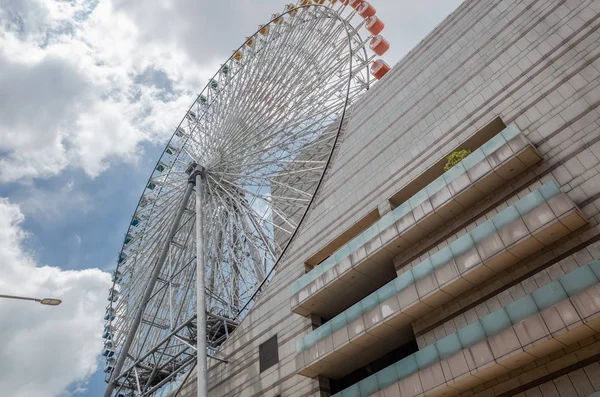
(483, 280)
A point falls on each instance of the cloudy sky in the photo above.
(89, 92)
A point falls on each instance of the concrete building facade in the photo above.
(484, 280)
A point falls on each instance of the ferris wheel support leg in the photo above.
(147, 293)
(200, 295)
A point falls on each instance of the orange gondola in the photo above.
(375, 25)
(379, 45)
(356, 3)
(366, 10)
(379, 69)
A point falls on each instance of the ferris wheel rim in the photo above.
(319, 183)
(351, 33)
(325, 168)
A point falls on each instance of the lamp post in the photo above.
(44, 301)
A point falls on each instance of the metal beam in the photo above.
(168, 378)
(200, 295)
(142, 308)
(157, 346)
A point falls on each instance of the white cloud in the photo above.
(45, 349)
(70, 94)
(69, 72)
(52, 204)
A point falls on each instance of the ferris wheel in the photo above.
(231, 189)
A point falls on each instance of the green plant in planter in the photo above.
(455, 158)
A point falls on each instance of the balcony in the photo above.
(382, 320)
(552, 317)
(364, 263)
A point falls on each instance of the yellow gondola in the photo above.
(264, 30)
(277, 18)
(292, 9)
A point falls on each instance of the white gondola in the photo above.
(113, 295)
(108, 349)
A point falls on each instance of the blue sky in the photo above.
(76, 221)
(91, 90)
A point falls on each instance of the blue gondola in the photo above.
(110, 365)
(108, 317)
(117, 276)
(108, 353)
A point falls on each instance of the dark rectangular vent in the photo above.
(268, 354)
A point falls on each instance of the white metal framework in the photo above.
(254, 146)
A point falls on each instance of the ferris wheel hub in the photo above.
(194, 170)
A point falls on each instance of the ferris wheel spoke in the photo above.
(280, 90)
(261, 135)
(251, 215)
(281, 112)
(277, 51)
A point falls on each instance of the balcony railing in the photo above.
(550, 318)
(353, 269)
(535, 221)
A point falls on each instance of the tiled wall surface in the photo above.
(487, 249)
(509, 295)
(557, 314)
(495, 163)
(579, 383)
(570, 370)
(535, 63)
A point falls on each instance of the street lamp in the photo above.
(44, 301)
